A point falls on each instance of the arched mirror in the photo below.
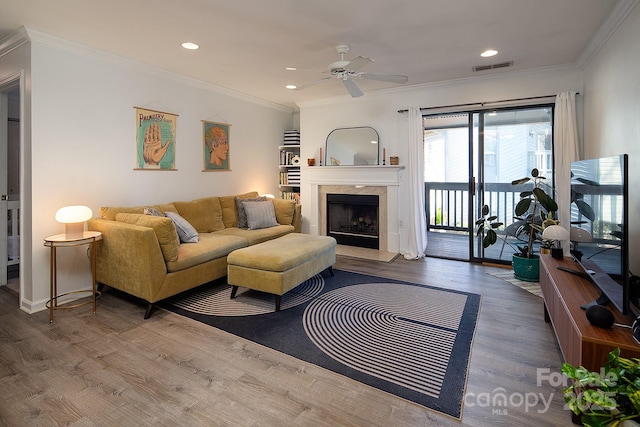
(352, 146)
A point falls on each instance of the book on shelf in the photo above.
(291, 137)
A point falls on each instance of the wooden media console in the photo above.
(581, 343)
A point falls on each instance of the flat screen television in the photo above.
(599, 210)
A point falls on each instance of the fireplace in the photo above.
(353, 219)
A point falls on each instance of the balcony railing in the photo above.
(447, 204)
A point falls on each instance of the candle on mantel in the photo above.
(320, 156)
(384, 153)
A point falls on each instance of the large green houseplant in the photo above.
(535, 210)
(610, 397)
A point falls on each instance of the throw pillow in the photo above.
(285, 211)
(260, 214)
(242, 215)
(230, 210)
(152, 211)
(186, 232)
(164, 228)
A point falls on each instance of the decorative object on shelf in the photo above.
(155, 140)
(311, 161)
(394, 160)
(384, 156)
(295, 160)
(320, 156)
(556, 234)
(578, 235)
(73, 218)
(215, 138)
(291, 137)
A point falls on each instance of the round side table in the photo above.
(63, 241)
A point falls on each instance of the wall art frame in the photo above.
(216, 146)
(155, 139)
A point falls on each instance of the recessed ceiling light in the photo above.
(488, 53)
(291, 68)
(190, 46)
(291, 86)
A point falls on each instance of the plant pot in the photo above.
(527, 269)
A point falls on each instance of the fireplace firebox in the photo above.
(352, 219)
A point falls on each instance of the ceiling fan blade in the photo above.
(358, 63)
(304, 86)
(391, 78)
(352, 87)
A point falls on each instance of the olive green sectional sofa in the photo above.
(142, 254)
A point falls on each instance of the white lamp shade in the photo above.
(555, 232)
(72, 214)
(580, 235)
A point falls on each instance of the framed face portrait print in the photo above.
(215, 146)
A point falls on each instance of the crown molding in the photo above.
(13, 41)
(48, 40)
(615, 19)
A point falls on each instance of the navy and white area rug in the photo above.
(411, 340)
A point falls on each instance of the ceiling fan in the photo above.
(347, 71)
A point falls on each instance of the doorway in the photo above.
(470, 160)
(10, 183)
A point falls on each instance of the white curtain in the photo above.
(566, 150)
(417, 244)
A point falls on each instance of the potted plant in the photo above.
(536, 210)
(610, 397)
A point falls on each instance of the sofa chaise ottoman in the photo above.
(279, 265)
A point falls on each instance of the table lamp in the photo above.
(578, 235)
(557, 234)
(73, 218)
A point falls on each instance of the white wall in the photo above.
(612, 112)
(379, 110)
(83, 145)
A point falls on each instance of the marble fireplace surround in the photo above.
(382, 181)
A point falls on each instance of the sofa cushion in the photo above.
(110, 212)
(163, 227)
(211, 246)
(186, 232)
(204, 214)
(253, 237)
(285, 210)
(242, 214)
(260, 215)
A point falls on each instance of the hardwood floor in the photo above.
(115, 368)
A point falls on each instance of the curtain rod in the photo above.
(482, 104)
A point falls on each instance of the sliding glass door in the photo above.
(470, 160)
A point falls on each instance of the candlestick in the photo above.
(320, 156)
(384, 155)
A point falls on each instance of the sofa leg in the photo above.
(147, 314)
(234, 290)
(331, 270)
(100, 287)
(278, 300)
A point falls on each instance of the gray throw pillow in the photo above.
(186, 232)
(260, 214)
(152, 211)
(242, 215)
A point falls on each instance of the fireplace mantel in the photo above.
(355, 180)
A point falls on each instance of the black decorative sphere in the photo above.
(600, 316)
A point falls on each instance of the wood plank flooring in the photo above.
(116, 369)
